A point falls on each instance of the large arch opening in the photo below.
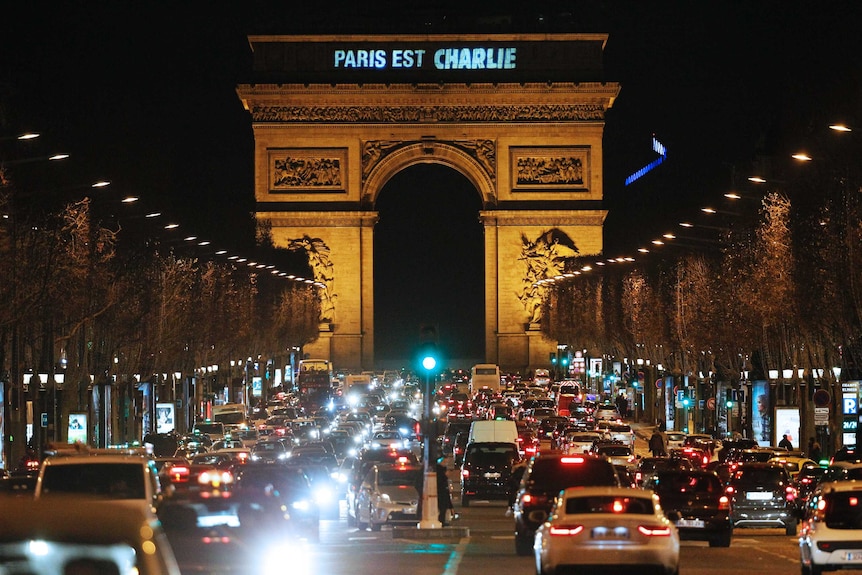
(428, 266)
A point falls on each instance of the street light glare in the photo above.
(708, 210)
(801, 156)
(840, 128)
(756, 180)
(732, 196)
(686, 224)
(58, 157)
(130, 199)
(101, 184)
(28, 136)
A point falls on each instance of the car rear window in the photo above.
(758, 475)
(609, 504)
(687, 483)
(617, 451)
(111, 480)
(403, 477)
(843, 510)
(556, 474)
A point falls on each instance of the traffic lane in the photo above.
(490, 547)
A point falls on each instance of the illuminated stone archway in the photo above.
(529, 139)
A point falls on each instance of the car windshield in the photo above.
(111, 480)
(609, 504)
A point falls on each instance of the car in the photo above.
(831, 533)
(389, 495)
(622, 432)
(269, 452)
(226, 444)
(386, 438)
(698, 457)
(793, 463)
(459, 447)
(82, 535)
(607, 413)
(761, 495)
(581, 441)
(617, 452)
(486, 472)
(648, 466)
(592, 529)
(674, 439)
(324, 487)
(545, 476)
(116, 477)
(696, 502)
(261, 486)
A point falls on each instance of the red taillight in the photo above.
(209, 540)
(730, 490)
(571, 460)
(705, 460)
(531, 449)
(639, 477)
(654, 530)
(565, 530)
(723, 502)
(790, 493)
(465, 473)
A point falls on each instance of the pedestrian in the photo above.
(656, 444)
(662, 426)
(445, 509)
(785, 443)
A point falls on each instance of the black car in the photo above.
(453, 428)
(695, 500)
(649, 466)
(762, 495)
(487, 471)
(264, 491)
(547, 475)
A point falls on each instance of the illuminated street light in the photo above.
(840, 128)
(802, 157)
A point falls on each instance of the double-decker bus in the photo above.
(314, 382)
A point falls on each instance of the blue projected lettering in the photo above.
(658, 148)
(443, 59)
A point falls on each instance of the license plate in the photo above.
(408, 510)
(699, 523)
(758, 495)
(610, 534)
(854, 556)
(492, 476)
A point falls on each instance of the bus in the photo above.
(314, 383)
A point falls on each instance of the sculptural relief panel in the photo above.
(546, 169)
(308, 170)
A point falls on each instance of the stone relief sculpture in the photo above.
(485, 152)
(565, 170)
(545, 257)
(292, 172)
(323, 270)
(400, 114)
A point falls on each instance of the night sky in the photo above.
(143, 94)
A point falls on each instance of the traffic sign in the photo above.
(710, 403)
(821, 416)
(658, 383)
(822, 398)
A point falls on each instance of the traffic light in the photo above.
(729, 399)
(428, 356)
(553, 359)
(686, 401)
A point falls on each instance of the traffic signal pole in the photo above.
(430, 518)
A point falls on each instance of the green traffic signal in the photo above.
(729, 403)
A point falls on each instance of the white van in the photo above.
(485, 375)
(493, 431)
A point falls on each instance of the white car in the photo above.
(389, 495)
(675, 439)
(595, 527)
(607, 414)
(831, 535)
(582, 441)
(622, 432)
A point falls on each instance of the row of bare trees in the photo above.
(779, 291)
(79, 302)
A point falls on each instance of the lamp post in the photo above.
(429, 485)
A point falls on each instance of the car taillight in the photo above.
(465, 473)
(179, 473)
(565, 530)
(723, 502)
(790, 493)
(705, 460)
(529, 499)
(639, 477)
(209, 540)
(570, 460)
(730, 490)
(654, 530)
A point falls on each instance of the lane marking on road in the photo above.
(456, 556)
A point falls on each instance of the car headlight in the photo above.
(301, 505)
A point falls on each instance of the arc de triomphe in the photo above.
(520, 116)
